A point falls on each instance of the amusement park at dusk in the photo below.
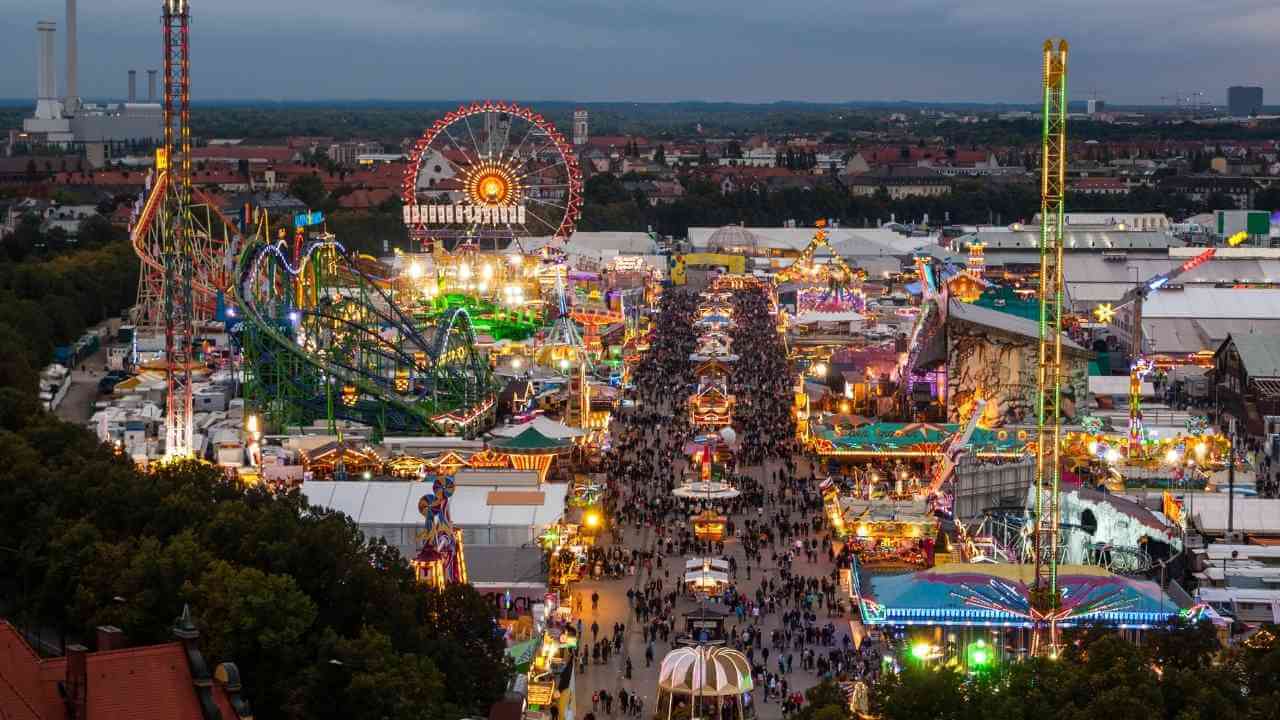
(502, 416)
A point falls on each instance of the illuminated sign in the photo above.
(308, 218)
(540, 693)
(460, 214)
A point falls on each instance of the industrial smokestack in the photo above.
(45, 89)
(151, 86)
(133, 86)
(73, 92)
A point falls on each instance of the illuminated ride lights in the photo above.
(1049, 378)
(491, 172)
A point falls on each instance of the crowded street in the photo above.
(782, 603)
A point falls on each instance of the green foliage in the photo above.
(921, 693)
(275, 586)
(824, 701)
(607, 207)
(309, 189)
(1178, 673)
(50, 301)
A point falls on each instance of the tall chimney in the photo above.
(45, 89)
(133, 86)
(151, 86)
(73, 92)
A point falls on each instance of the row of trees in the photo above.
(46, 301)
(322, 622)
(30, 239)
(1178, 674)
(608, 205)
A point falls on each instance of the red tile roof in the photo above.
(365, 199)
(610, 141)
(142, 683)
(101, 177)
(21, 697)
(267, 153)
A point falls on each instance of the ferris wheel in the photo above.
(488, 174)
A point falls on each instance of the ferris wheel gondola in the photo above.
(490, 174)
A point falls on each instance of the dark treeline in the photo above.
(1176, 673)
(53, 293)
(321, 622)
(608, 205)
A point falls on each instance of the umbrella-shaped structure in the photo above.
(705, 679)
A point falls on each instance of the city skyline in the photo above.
(664, 51)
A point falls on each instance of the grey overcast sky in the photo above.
(1129, 51)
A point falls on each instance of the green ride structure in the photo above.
(325, 339)
(487, 317)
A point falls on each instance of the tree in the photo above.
(824, 701)
(1268, 199)
(275, 585)
(309, 189)
(365, 678)
(459, 632)
(917, 693)
(96, 230)
(1220, 201)
(660, 155)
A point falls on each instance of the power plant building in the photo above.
(66, 120)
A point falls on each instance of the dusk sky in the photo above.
(1129, 51)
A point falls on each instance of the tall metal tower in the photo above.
(1046, 598)
(174, 223)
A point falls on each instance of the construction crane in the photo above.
(177, 239)
(1045, 597)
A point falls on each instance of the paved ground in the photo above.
(614, 608)
(77, 405)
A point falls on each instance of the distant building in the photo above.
(899, 182)
(1200, 187)
(580, 127)
(1095, 106)
(346, 153)
(1246, 378)
(1244, 100)
(69, 121)
(1100, 186)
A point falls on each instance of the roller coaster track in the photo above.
(211, 274)
(353, 336)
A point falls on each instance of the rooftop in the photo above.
(1260, 354)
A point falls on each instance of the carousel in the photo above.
(705, 682)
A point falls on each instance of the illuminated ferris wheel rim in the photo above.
(491, 183)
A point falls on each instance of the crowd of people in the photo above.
(787, 618)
